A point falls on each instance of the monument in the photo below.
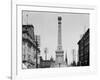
(59, 52)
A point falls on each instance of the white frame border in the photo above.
(53, 71)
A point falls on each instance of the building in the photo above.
(83, 52)
(29, 47)
(46, 63)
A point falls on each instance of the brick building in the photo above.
(83, 52)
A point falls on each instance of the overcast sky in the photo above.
(46, 25)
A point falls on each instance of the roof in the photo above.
(28, 26)
(84, 35)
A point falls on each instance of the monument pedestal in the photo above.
(59, 57)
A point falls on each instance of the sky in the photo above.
(46, 25)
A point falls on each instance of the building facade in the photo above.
(83, 52)
(29, 47)
(46, 63)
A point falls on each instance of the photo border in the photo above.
(12, 66)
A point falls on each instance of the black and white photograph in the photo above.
(50, 40)
(55, 39)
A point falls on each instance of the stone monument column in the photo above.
(59, 51)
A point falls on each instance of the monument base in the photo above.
(59, 57)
